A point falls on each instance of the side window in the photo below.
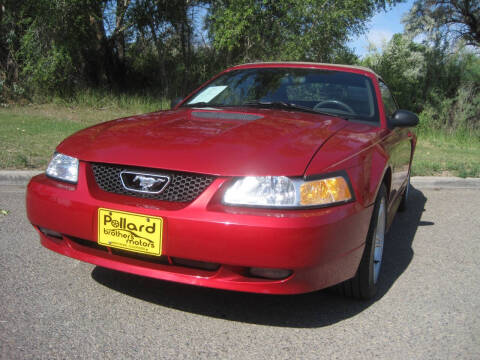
(388, 101)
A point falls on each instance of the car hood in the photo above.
(229, 142)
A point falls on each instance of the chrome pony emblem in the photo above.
(144, 183)
(147, 182)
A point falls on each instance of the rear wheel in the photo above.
(364, 284)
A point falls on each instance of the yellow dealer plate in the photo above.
(132, 232)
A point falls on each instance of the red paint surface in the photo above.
(178, 140)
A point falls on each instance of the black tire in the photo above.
(364, 285)
(403, 203)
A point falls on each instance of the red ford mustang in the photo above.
(276, 178)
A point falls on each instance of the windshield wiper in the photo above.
(278, 104)
(286, 105)
(203, 104)
(270, 104)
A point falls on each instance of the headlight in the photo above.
(281, 191)
(63, 167)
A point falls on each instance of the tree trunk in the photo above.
(161, 58)
(118, 38)
(97, 65)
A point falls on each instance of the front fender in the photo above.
(358, 150)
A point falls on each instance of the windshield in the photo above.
(316, 90)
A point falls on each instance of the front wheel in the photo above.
(364, 284)
(406, 192)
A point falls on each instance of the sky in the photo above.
(381, 28)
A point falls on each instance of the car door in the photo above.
(398, 144)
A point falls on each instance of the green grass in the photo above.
(94, 99)
(28, 141)
(447, 154)
(30, 133)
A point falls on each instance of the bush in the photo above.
(46, 70)
(460, 113)
(440, 83)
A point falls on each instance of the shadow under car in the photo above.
(317, 309)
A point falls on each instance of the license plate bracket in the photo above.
(130, 231)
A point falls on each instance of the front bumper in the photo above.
(321, 246)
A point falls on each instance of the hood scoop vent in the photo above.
(225, 115)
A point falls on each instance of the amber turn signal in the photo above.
(325, 191)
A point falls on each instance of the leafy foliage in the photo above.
(448, 20)
(59, 47)
(402, 64)
(312, 30)
(443, 87)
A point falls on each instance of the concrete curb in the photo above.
(17, 177)
(22, 177)
(439, 182)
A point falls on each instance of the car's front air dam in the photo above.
(321, 247)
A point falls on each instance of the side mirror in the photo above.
(175, 102)
(403, 118)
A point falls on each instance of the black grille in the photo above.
(183, 187)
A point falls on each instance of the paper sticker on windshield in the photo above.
(207, 94)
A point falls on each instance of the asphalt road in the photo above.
(428, 306)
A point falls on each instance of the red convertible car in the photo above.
(276, 178)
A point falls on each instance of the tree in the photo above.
(448, 20)
(443, 87)
(60, 46)
(311, 30)
(14, 18)
(402, 64)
